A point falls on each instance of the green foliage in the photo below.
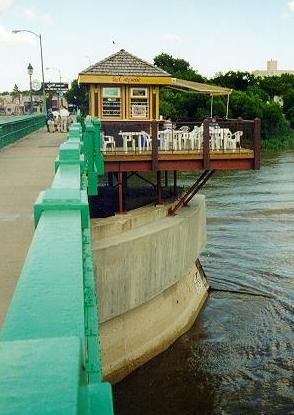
(272, 86)
(178, 68)
(290, 116)
(245, 105)
(15, 93)
(273, 121)
(183, 105)
(78, 95)
(258, 92)
(239, 81)
(279, 142)
(288, 99)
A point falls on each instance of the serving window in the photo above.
(111, 102)
(139, 102)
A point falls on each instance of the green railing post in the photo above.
(89, 143)
(99, 160)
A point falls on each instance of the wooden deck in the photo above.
(118, 161)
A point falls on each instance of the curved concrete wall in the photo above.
(130, 340)
(142, 262)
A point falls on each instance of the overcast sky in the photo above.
(213, 35)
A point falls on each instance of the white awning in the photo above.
(213, 90)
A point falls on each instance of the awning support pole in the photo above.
(211, 105)
(228, 100)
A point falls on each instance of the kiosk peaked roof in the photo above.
(125, 64)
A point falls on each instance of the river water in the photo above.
(238, 358)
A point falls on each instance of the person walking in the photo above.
(49, 119)
(64, 115)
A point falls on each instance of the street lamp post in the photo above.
(58, 92)
(30, 72)
(42, 64)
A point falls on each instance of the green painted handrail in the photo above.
(18, 127)
(49, 344)
(93, 154)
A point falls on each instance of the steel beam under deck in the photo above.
(190, 193)
(178, 165)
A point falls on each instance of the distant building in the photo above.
(272, 70)
(20, 104)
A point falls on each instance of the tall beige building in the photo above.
(272, 70)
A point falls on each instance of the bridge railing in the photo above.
(49, 344)
(18, 127)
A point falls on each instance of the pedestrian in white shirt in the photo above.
(64, 115)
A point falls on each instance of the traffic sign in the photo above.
(56, 86)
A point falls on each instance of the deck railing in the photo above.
(49, 344)
(15, 128)
(204, 138)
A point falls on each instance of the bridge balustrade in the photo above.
(49, 344)
(18, 127)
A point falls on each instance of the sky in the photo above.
(212, 35)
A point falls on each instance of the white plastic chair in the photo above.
(108, 140)
(183, 137)
(196, 138)
(165, 138)
(147, 140)
(128, 138)
(236, 139)
(216, 139)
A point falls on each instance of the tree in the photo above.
(240, 81)
(274, 123)
(272, 85)
(288, 100)
(245, 106)
(78, 95)
(178, 68)
(15, 93)
(290, 116)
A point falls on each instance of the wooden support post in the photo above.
(158, 187)
(256, 142)
(175, 183)
(206, 144)
(125, 187)
(110, 179)
(120, 193)
(154, 125)
(166, 178)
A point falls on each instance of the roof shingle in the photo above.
(123, 63)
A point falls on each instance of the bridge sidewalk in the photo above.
(26, 168)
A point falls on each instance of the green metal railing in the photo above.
(18, 127)
(49, 344)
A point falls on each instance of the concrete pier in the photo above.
(26, 168)
(149, 288)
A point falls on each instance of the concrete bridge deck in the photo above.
(26, 168)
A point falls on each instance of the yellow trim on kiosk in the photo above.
(107, 79)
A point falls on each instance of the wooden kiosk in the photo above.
(123, 87)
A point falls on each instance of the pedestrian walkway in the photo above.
(26, 168)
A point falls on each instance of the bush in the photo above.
(273, 122)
